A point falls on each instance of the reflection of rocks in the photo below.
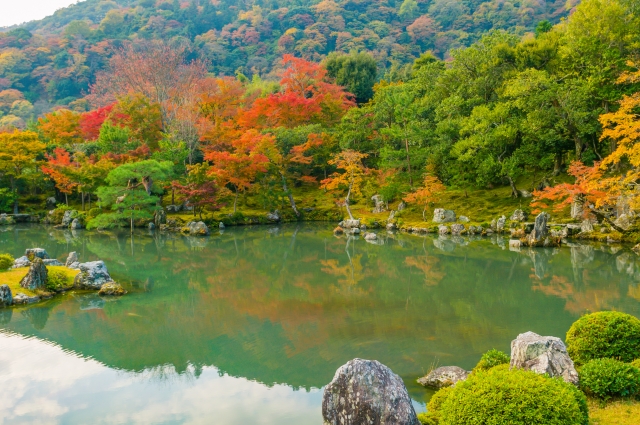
(444, 244)
(90, 301)
(6, 299)
(367, 392)
(543, 355)
(72, 258)
(5, 316)
(38, 316)
(196, 242)
(92, 275)
(443, 377)
(540, 261)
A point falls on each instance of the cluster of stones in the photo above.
(92, 276)
(368, 392)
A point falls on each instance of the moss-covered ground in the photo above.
(625, 412)
(13, 277)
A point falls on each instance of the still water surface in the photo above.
(247, 326)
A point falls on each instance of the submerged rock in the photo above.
(72, 258)
(367, 392)
(36, 276)
(444, 377)
(92, 275)
(112, 288)
(543, 354)
(21, 298)
(32, 253)
(6, 299)
(440, 215)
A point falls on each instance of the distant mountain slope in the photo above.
(53, 61)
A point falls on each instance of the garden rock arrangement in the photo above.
(367, 392)
(92, 275)
(444, 377)
(543, 355)
(440, 215)
(6, 299)
(37, 276)
(196, 229)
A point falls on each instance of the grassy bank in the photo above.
(13, 277)
(626, 412)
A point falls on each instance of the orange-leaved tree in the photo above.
(62, 170)
(428, 193)
(350, 179)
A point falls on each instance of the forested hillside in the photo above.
(53, 62)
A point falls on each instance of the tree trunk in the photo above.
(289, 195)
(15, 193)
(131, 223)
(424, 213)
(602, 217)
(82, 196)
(66, 199)
(346, 203)
(514, 190)
(557, 164)
(235, 202)
(406, 145)
(579, 147)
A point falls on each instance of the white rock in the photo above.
(543, 355)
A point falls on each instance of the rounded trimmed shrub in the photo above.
(6, 261)
(514, 397)
(491, 359)
(56, 280)
(606, 378)
(606, 334)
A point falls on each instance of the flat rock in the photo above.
(21, 262)
(367, 392)
(92, 275)
(543, 355)
(444, 377)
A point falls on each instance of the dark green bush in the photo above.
(490, 359)
(606, 378)
(513, 397)
(6, 261)
(606, 334)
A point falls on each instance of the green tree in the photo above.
(357, 72)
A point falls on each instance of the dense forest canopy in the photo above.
(54, 61)
(156, 122)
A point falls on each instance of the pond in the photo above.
(248, 325)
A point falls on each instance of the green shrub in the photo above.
(636, 363)
(606, 378)
(427, 418)
(607, 334)
(6, 261)
(514, 397)
(490, 359)
(57, 280)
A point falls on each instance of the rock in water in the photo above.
(444, 377)
(370, 237)
(6, 299)
(197, 228)
(440, 215)
(112, 288)
(543, 354)
(539, 233)
(68, 217)
(72, 258)
(36, 252)
(221, 226)
(367, 392)
(36, 276)
(457, 229)
(92, 275)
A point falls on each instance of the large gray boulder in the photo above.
(92, 275)
(36, 252)
(21, 262)
(543, 355)
(36, 276)
(457, 229)
(518, 215)
(444, 377)
(367, 392)
(72, 258)
(348, 224)
(380, 206)
(540, 232)
(6, 299)
(197, 228)
(440, 215)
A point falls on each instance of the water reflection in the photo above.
(289, 304)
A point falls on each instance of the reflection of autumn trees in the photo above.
(429, 266)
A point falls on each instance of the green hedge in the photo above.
(606, 378)
(606, 334)
(513, 397)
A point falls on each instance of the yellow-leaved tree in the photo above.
(351, 177)
(19, 151)
(428, 193)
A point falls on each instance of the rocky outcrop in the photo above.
(367, 392)
(112, 289)
(444, 377)
(543, 355)
(21, 262)
(71, 259)
(440, 215)
(6, 299)
(92, 275)
(196, 229)
(518, 215)
(36, 276)
(32, 253)
(379, 205)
